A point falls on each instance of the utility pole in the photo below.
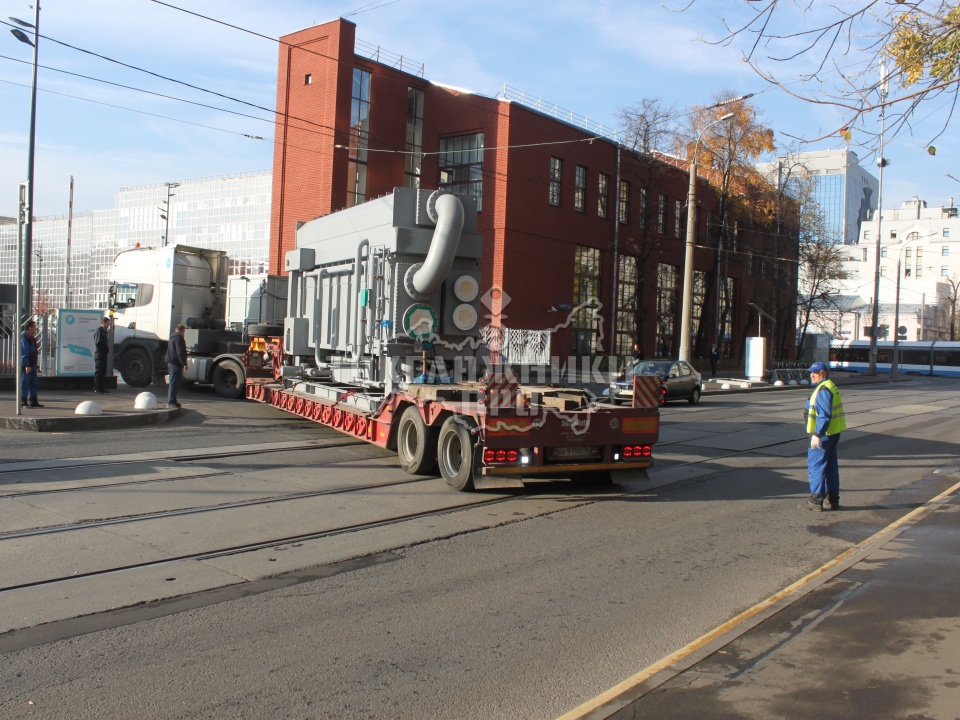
(165, 212)
(882, 162)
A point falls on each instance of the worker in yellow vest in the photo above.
(825, 422)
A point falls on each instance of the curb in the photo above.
(107, 421)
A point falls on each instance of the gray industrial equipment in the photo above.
(387, 292)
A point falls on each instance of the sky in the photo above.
(591, 57)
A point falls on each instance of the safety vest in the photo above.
(837, 422)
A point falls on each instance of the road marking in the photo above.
(612, 700)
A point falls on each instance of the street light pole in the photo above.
(686, 307)
(895, 360)
(166, 213)
(882, 162)
(25, 279)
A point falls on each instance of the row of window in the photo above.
(555, 184)
(893, 234)
(909, 271)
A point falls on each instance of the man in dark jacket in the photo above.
(29, 365)
(101, 342)
(176, 360)
(714, 356)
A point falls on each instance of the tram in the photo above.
(918, 357)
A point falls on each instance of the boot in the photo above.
(34, 403)
(833, 501)
(23, 402)
(815, 503)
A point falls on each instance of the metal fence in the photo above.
(10, 344)
(516, 347)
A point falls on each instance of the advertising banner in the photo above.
(75, 329)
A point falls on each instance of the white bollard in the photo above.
(725, 386)
(145, 401)
(88, 407)
(779, 383)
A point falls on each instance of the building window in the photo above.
(893, 234)
(580, 189)
(461, 165)
(556, 171)
(643, 208)
(603, 189)
(623, 203)
(883, 271)
(945, 251)
(414, 145)
(699, 297)
(864, 255)
(677, 218)
(626, 305)
(883, 252)
(946, 232)
(586, 292)
(308, 79)
(666, 309)
(919, 262)
(944, 271)
(866, 235)
(359, 138)
(661, 210)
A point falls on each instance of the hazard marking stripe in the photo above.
(646, 390)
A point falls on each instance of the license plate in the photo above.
(573, 452)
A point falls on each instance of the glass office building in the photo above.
(228, 212)
(847, 193)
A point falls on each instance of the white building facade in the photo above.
(228, 212)
(926, 244)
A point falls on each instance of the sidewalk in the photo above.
(58, 413)
(876, 634)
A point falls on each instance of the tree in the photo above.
(920, 38)
(821, 270)
(727, 157)
(648, 126)
(951, 302)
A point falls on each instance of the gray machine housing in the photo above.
(376, 288)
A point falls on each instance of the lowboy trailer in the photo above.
(379, 343)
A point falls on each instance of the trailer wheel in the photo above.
(416, 443)
(228, 379)
(135, 367)
(263, 330)
(455, 452)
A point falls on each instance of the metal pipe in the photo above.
(358, 274)
(429, 275)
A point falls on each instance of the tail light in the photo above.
(491, 457)
(634, 452)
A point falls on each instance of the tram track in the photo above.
(257, 545)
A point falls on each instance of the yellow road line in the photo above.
(630, 683)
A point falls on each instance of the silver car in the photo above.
(678, 380)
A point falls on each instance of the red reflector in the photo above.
(627, 451)
(511, 455)
(488, 456)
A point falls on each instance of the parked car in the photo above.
(678, 380)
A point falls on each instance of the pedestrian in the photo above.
(101, 342)
(714, 356)
(637, 353)
(825, 423)
(176, 360)
(30, 365)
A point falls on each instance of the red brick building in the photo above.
(568, 219)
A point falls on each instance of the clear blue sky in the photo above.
(588, 56)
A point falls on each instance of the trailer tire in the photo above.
(262, 330)
(416, 443)
(228, 380)
(456, 452)
(136, 368)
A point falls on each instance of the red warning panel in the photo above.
(501, 392)
(646, 391)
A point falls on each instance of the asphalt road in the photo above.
(558, 597)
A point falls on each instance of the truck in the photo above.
(380, 341)
(152, 290)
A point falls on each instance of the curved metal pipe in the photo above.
(443, 248)
(359, 340)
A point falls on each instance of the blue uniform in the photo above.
(29, 358)
(822, 465)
